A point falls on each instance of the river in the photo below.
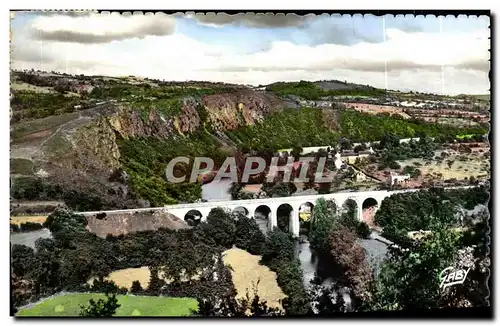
(29, 238)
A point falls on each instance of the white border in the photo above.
(184, 4)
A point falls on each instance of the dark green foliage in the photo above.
(309, 127)
(136, 287)
(220, 227)
(291, 280)
(26, 227)
(394, 150)
(32, 188)
(321, 227)
(22, 259)
(278, 189)
(30, 226)
(155, 283)
(278, 255)
(229, 306)
(410, 279)
(146, 94)
(145, 160)
(28, 105)
(363, 230)
(311, 91)
(285, 129)
(279, 246)
(65, 226)
(412, 171)
(349, 218)
(249, 237)
(358, 126)
(421, 210)
(100, 285)
(328, 300)
(101, 307)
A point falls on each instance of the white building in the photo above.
(398, 179)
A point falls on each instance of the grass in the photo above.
(21, 129)
(69, 305)
(21, 166)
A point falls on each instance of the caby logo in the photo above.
(451, 276)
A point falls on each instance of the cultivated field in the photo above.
(376, 109)
(69, 305)
(249, 274)
(125, 277)
(452, 167)
(28, 218)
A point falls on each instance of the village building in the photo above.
(398, 179)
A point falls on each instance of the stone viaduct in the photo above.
(270, 206)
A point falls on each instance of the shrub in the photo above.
(248, 236)
(279, 246)
(363, 230)
(220, 227)
(30, 226)
(136, 287)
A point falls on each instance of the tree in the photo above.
(389, 141)
(155, 283)
(351, 258)
(279, 246)
(229, 306)
(101, 307)
(345, 144)
(410, 278)
(136, 287)
(22, 259)
(327, 300)
(249, 236)
(321, 226)
(412, 171)
(220, 226)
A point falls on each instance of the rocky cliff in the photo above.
(221, 111)
(81, 152)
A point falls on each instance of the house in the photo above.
(339, 163)
(398, 179)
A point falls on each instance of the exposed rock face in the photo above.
(233, 110)
(100, 140)
(124, 223)
(225, 112)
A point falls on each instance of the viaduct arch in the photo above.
(270, 205)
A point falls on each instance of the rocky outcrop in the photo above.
(232, 110)
(98, 139)
(223, 112)
(124, 223)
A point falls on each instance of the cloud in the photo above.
(414, 60)
(260, 20)
(99, 28)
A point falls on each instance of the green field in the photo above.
(69, 305)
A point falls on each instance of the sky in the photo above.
(442, 55)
